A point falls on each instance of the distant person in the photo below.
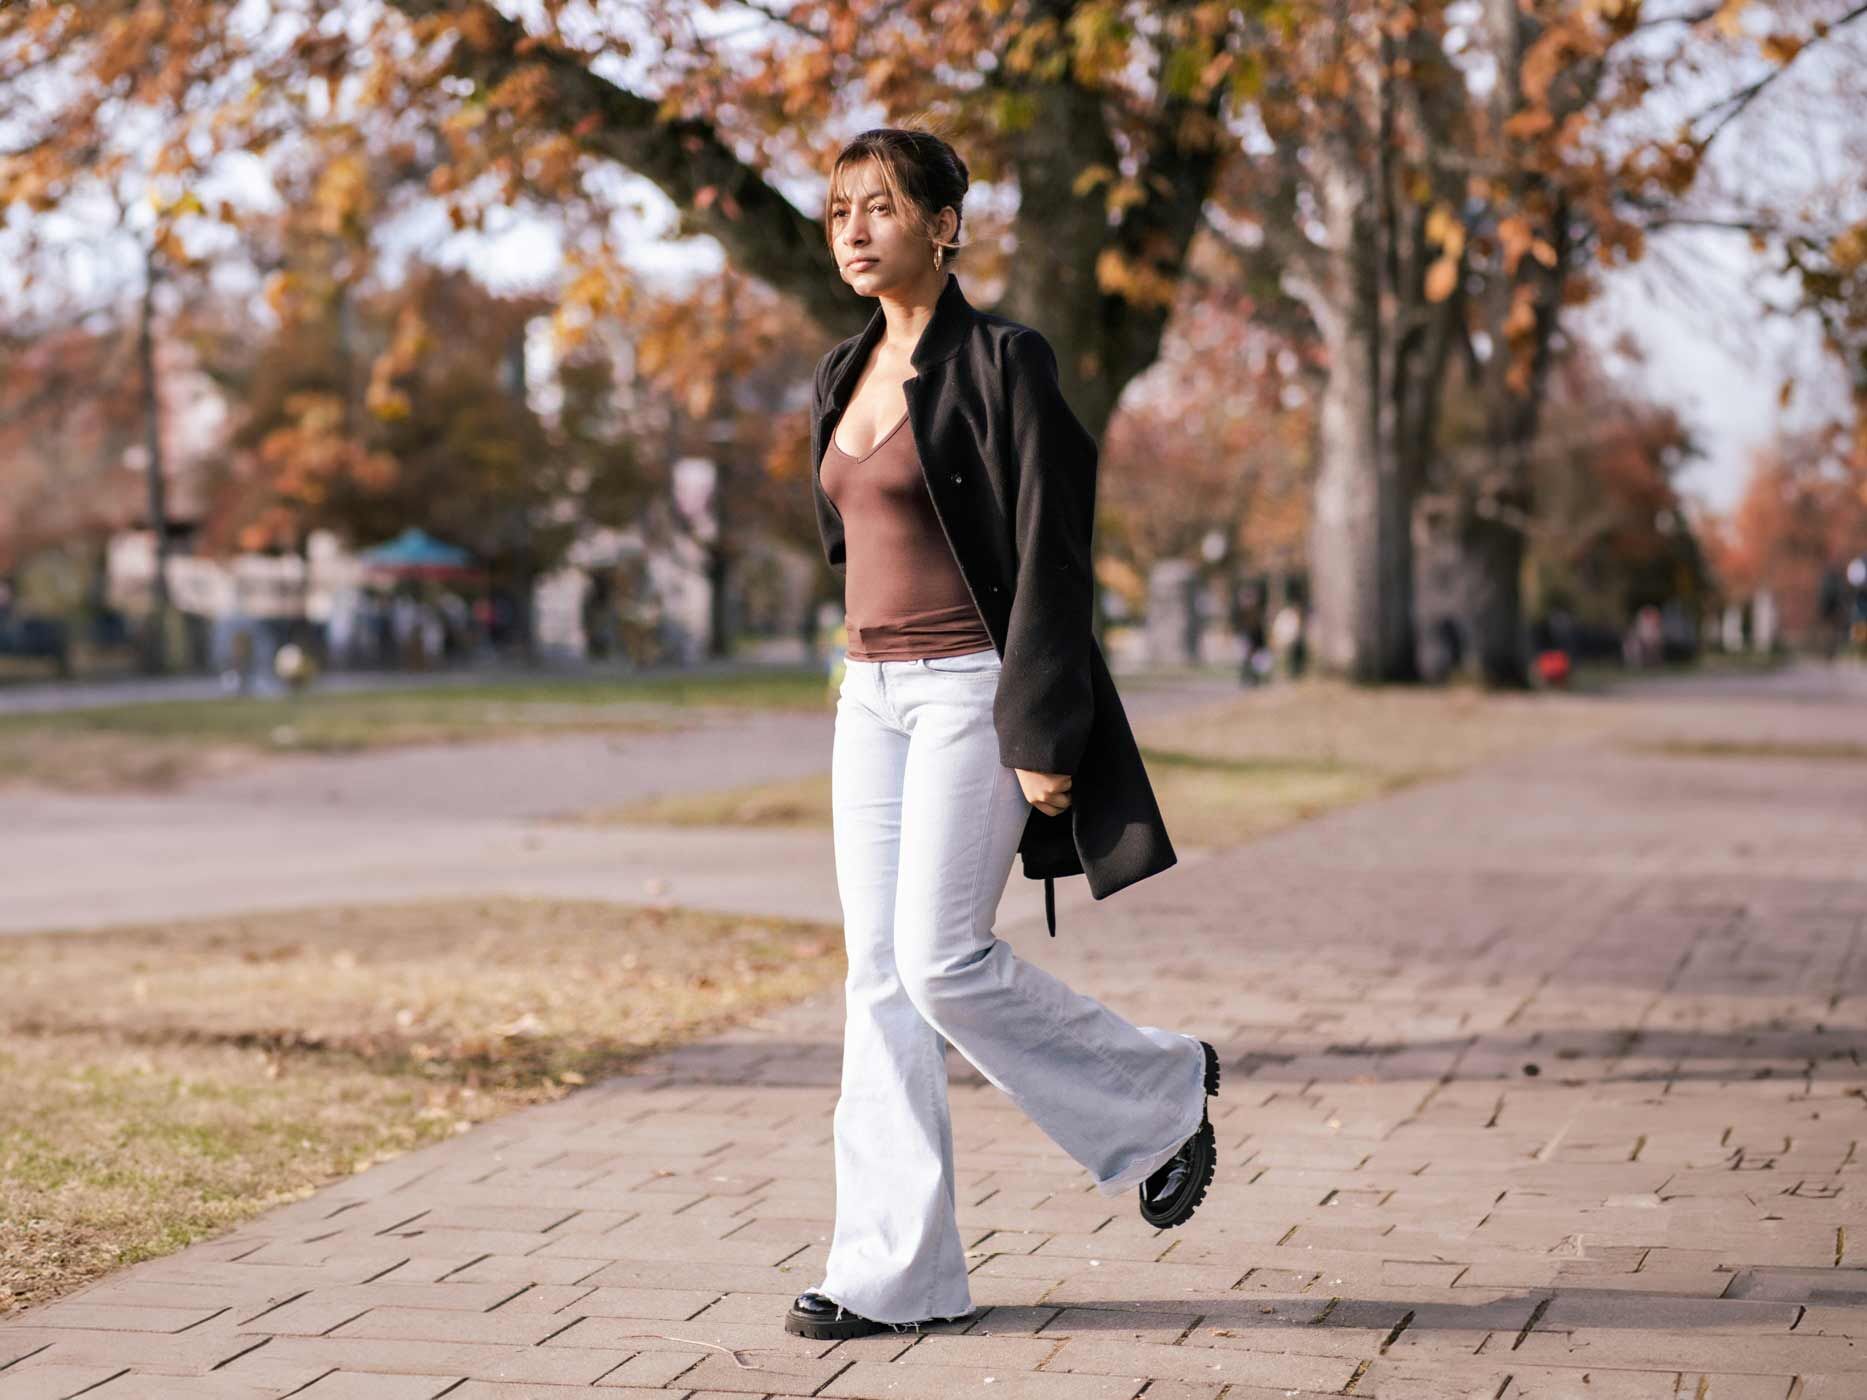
(1287, 639)
(405, 624)
(598, 615)
(1562, 631)
(1644, 638)
(340, 629)
(431, 634)
(972, 696)
(456, 626)
(1248, 626)
(1451, 639)
(238, 676)
(1832, 609)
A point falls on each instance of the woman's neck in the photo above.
(907, 310)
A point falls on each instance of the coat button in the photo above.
(956, 476)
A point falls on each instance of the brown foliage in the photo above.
(71, 433)
(366, 413)
(1204, 441)
(1803, 511)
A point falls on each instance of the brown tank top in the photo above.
(904, 597)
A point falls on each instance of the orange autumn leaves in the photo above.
(1803, 512)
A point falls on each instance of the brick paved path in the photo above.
(1542, 1082)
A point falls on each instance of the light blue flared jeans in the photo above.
(927, 821)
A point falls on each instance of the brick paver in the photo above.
(1542, 1082)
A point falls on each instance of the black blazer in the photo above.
(1012, 474)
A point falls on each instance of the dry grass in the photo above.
(100, 762)
(1240, 768)
(1815, 751)
(788, 802)
(164, 1083)
(1414, 732)
(1208, 801)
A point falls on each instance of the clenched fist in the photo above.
(1048, 792)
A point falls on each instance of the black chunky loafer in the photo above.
(813, 1315)
(1174, 1191)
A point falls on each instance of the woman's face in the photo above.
(877, 249)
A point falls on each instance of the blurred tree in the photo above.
(1439, 179)
(62, 443)
(370, 414)
(714, 375)
(1803, 512)
(82, 403)
(1217, 435)
(1611, 532)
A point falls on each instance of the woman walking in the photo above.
(955, 492)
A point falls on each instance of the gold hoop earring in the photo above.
(939, 254)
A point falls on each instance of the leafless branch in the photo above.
(1734, 104)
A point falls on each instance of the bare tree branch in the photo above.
(761, 231)
(1736, 102)
(781, 17)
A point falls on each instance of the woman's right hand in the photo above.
(1048, 792)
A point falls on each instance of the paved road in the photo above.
(303, 830)
(1541, 1082)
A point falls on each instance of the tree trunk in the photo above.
(719, 550)
(514, 565)
(155, 639)
(1361, 543)
(1361, 546)
(719, 614)
(1494, 554)
(1493, 539)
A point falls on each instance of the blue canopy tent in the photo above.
(417, 564)
(417, 554)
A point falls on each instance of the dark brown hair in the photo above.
(920, 171)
